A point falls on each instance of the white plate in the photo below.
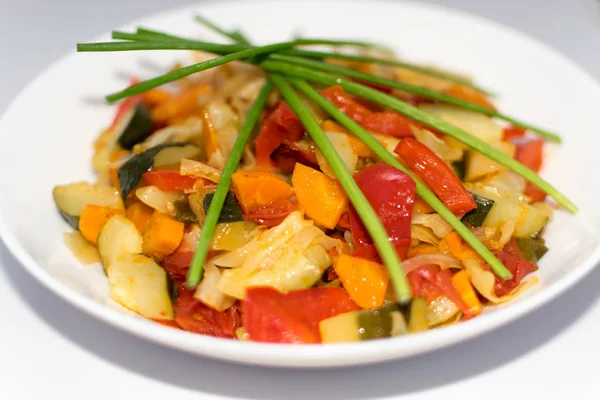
(46, 136)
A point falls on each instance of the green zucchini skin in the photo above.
(131, 172)
(137, 128)
(460, 168)
(531, 249)
(72, 220)
(184, 213)
(231, 211)
(476, 217)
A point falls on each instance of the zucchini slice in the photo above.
(135, 126)
(355, 326)
(531, 249)
(131, 172)
(184, 213)
(118, 236)
(231, 211)
(138, 283)
(480, 166)
(172, 155)
(476, 217)
(71, 199)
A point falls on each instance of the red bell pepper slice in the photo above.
(273, 213)
(126, 104)
(437, 174)
(530, 154)
(385, 122)
(169, 178)
(512, 132)
(293, 317)
(280, 124)
(287, 154)
(391, 193)
(510, 256)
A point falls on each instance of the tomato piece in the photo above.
(385, 122)
(280, 124)
(512, 132)
(510, 256)
(169, 178)
(273, 213)
(431, 281)
(535, 193)
(177, 263)
(391, 193)
(193, 316)
(293, 317)
(288, 154)
(437, 174)
(530, 154)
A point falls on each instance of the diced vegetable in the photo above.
(476, 217)
(159, 200)
(479, 166)
(531, 249)
(391, 193)
(255, 189)
(172, 156)
(280, 124)
(93, 218)
(229, 236)
(288, 154)
(418, 316)
(342, 146)
(530, 154)
(163, 235)
(84, 251)
(288, 256)
(478, 125)
(462, 284)
(131, 172)
(134, 126)
(385, 122)
(437, 174)
(322, 198)
(440, 310)
(362, 325)
(208, 293)
(184, 213)
(293, 317)
(468, 94)
(71, 199)
(361, 149)
(119, 236)
(365, 281)
(231, 211)
(168, 179)
(139, 213)
(273, 213)
(139, 284)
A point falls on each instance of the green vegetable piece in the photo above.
(137, 125)
(173, 288)
(131, 172)
(376, 323)
(184, 213)
(531, 249)
(231, 211)
(476, 217)
(460, 168)
(72, 220)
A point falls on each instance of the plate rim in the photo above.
(301, 356)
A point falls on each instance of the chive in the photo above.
(383, 61)
(214, 210)
(420, 91)
(236, 36)
(429, 120)
(337, 42)
(422, 190)
(143, 45)
(185, 71)
(164, 36)
(361, 204)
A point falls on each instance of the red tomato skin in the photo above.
(169, 179)
(280, 124)
(530, 154)
(293, 317)
(177, 264)
(385, 122)
(535, 193)
(510, 256)
(273, 213)
(437, 174)
(193, 316)
(287, 154)
(391, 193)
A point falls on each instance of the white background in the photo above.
(50, 350)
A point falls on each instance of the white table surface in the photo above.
(48, 349)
